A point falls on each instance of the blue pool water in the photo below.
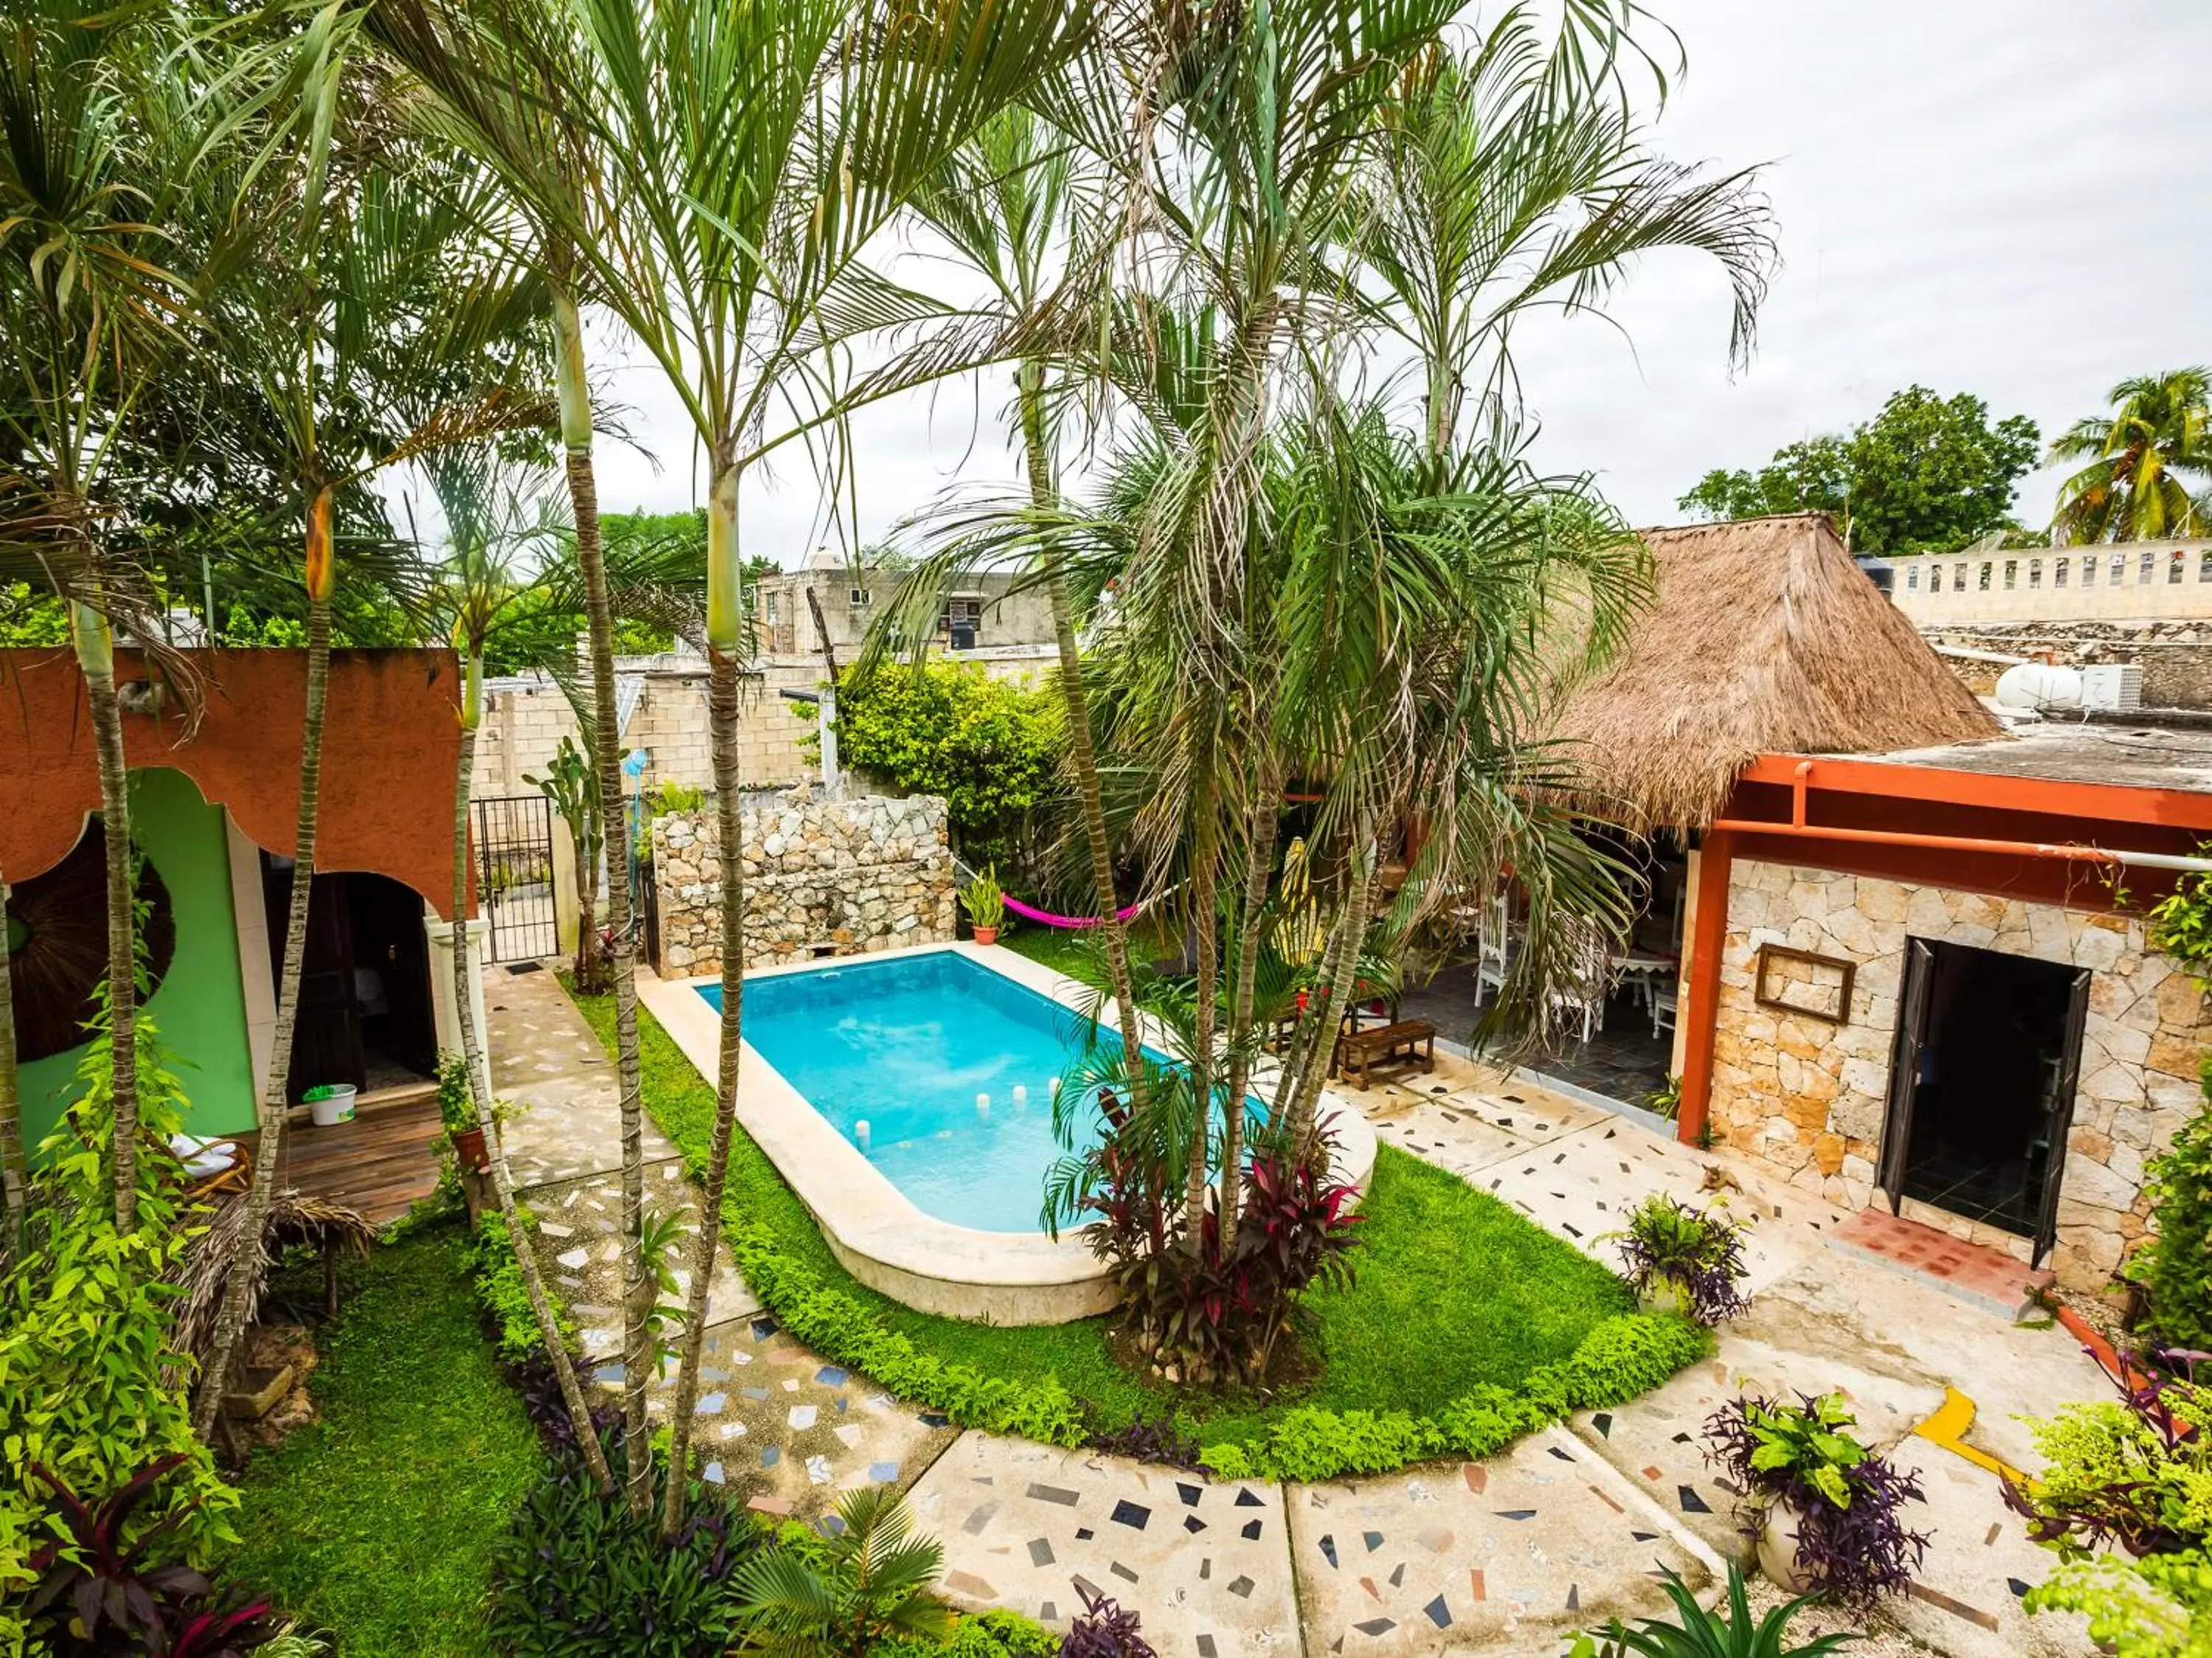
(907, 1045)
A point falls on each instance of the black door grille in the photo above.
(514, 876)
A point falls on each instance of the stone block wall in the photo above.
(847, 877)
(1809, 1098)
(2175, 657)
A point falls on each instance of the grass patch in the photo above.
(379, 1521)
(1454, 1291)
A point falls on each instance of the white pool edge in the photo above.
(873, 1228)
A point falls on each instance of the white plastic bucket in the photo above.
(334, 1107)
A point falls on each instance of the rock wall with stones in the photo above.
(2176, 657)
(841, 877)
(1809, 1098)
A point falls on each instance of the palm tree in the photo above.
(368, 318)
(872, 1585)
(13, 1192)
(98, 295)
(741, 158)
(2142, 460)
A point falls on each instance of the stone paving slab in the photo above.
(1205, 1563)
(1512, 1555)
(536, 1030)
(786, 1430)
(579, 1247)
(568, 1126)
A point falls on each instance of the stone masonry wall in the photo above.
(2176, 657)
(848, 877)
(1809, 1098)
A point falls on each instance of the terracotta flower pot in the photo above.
(987, 934)
(469, 1149)
(1778, 1553)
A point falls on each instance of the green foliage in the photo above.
(1926, 474)
(984, 899)
(949, 728)
(2180, 924)
(378, 1519)
(579, 1576)
(1805, 1443)
(2149, 462)
(2175, 1265)
(31, 617)
(87, 1318)
(1695, 1632)
(837, 1597)
(457, 1102)
(2159, 1606)
(498, 1276)
(1544, 1330)
(986, 1635)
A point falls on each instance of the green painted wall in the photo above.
(200, 1004)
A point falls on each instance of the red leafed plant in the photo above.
(97, 1595)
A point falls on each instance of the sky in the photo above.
(1986, 196)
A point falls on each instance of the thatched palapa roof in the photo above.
(1763, 636)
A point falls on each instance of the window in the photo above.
(2012, 574)
(1958, 578)
(775, 612)
(2143, 568)
(1985, 584)
(2119, 572)
(2035, 572)
(2088, 569)
(2058, 572)
(857, 598)
(2174, 568)
(1913, 578)
(2204, 567)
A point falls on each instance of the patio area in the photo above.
(1623, 1060)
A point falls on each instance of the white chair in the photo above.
(1581, 999)
(1494, 948)
(1664, 1000)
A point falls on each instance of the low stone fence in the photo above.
(820, 878)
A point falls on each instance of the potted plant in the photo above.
(457, 1109)
(986, 905)
(329, 1103)
(1825, 1510)
(1685, 1260)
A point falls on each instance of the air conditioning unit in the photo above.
(2116, 686)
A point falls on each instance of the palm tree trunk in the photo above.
(246, 1262)
(722, 702)
(1266, 821)
(622, 955)
(14, 1168)
(95, 655)
(1336, 992)
(472, 1055)
(1205, 869)
(1082, 751)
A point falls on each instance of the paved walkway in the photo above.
(1508, 1555)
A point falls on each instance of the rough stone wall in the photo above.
(851, 876)
(2176, 657)
(1809, 1098)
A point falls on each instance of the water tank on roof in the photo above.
(1879, 571)
(2041, 686)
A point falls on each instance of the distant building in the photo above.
(979, 615)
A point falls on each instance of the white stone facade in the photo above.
(1809, 1098)
(820, 877)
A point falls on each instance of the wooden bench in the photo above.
(1399, 1046)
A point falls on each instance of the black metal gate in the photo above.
(514, 877)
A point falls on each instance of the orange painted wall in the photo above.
(391, 745)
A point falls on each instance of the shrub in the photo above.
(90, 1382)
(498, 1274)
(1852, 1541)
(994, 1633)
(1694, 1632)
(1161, 1442)
(98, 1593)
(1105, 1630)
(2136, 1472)
(578, 1576)
(2174, 1265)
(868, 1581)
(1699, 1253)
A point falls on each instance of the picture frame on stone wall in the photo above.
(1802, 982)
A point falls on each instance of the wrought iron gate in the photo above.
(514, 877)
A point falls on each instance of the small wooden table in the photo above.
(1398, 1046)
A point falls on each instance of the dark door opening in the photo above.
(365, 1014)
(1982, 1085)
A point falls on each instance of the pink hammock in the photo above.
(1045, 917)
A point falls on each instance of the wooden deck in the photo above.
(379, 1163)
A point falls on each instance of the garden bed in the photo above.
(1466, 1324)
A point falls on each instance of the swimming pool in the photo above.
(907, 1047)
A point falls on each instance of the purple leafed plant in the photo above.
(1699, 1250)
(1157, 1442)
(1851, 1538)
(1105, 1630)
(2123, 1483)
(548, 1408)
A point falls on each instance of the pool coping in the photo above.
(874, 1228)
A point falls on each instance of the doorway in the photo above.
(365, 1014)
(1982, 1085)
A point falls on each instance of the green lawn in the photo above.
(1453, 1287)
(379, 1521)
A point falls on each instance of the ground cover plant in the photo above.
(1417, 1358)
(378, 1521)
